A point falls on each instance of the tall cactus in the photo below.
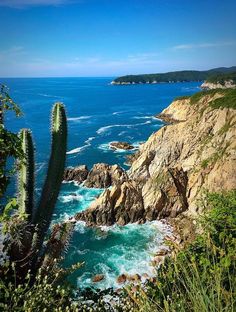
(26, 175)
(55, 171)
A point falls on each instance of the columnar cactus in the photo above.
(39, 219)
(55, 171)
(26, 175)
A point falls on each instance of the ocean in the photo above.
(98, 113)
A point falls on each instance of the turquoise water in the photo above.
(98, 113)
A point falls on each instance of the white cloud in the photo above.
(27, 3)
(203, 45)
(12, 52)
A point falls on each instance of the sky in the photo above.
(110, 38)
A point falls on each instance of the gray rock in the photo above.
(78, 174)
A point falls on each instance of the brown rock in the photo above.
(122, 204)
(121, 145)
(97, 278)
(104, 175)
(121, 279)
(162, 252)
(78, 174)
(134, 278)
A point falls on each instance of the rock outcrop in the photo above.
(78, 174)
(104, 175)
(122, 204)
(100, 176)
(174, 167)
(121, 145)
(225, 85)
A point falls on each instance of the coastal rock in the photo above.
(121, 279)
(98, 278)
(104, 175)
(78, 174)
(187, 157)
(172, 169)
(224, 85)
(121, 204)
(121, 145)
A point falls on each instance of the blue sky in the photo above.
(41, 38)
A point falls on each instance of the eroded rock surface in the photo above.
(122, 204)
(104, 175)
(100, 176)
(78, 174)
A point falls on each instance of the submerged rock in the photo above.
(78, 174)
(121, 145)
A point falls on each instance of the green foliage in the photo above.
(26, 175)
(178, 76)
(9, 142)
(45, 294)
(227, 101)
(183, 97)
(202, 276)
(228, 98)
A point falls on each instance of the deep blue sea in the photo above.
(98, 113)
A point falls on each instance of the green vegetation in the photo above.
(201, 277)
(228, 98)
(183, 97)
(228, 101)
(222, 78)
(30, 277)
(178, 76)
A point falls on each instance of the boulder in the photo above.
(97, 278)
(104, 175)
(121, 279)
(78, 174)
(121, 145)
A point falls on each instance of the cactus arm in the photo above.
(55, 172)
(57, 243)
(26, 175)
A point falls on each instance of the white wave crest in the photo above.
(77, 149)
(78, 118)
(81, 148)
(106, 128)
(145, 117)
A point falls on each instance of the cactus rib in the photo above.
(26, 175)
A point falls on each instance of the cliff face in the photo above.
(174, 167)
(210, 85)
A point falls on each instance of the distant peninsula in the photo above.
(220, 81)
(171, 77)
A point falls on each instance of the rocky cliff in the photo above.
(173, 169)
(218, 85)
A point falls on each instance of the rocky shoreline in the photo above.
(170, 170)
(167, 176)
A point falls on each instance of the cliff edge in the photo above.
(177, 164)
